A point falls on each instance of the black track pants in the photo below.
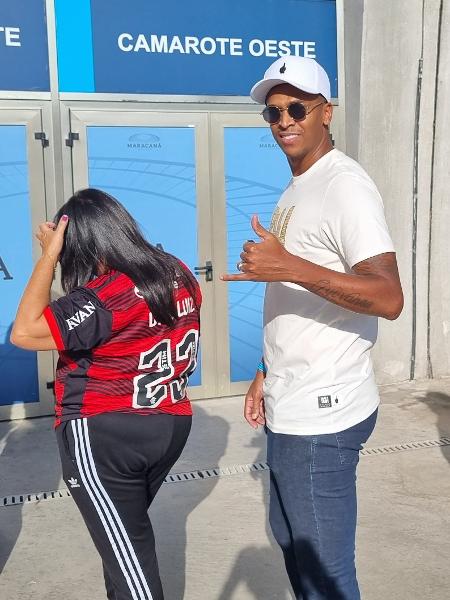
(113, 465)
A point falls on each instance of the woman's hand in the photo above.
(30, 330)
(51, 238)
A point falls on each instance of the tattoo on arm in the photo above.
(324, 289)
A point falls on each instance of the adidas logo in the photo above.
(73, 482)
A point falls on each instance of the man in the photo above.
(331, 271)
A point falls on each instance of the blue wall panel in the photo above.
(18, 368)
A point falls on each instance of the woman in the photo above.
(127, 334)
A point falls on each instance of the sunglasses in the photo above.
(296, 110)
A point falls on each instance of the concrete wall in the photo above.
(414, 179)
(440, 211)
(353, 30)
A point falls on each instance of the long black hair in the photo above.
(102, 233)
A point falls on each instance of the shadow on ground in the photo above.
(29, 463)
(439, 404)
(175, 502)
(258, 567)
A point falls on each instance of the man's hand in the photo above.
(254, 402)
(372, 287)
(263, 261)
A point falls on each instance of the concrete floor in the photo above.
(212, 534)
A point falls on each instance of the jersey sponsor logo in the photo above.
(81, 315)
(139, 294)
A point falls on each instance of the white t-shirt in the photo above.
(317, 354)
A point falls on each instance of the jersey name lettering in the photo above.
(152, 322)
(80, 315)
(185, 307)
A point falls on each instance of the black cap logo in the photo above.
(283, 68)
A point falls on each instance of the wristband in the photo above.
(261, 367)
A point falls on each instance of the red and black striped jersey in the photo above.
(114, 356)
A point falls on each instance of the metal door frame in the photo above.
(36, 119)
(219, 122)
(118, 116)
(210, 122)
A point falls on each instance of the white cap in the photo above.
(303, 73)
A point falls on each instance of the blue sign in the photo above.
(188, 48)
(24, 46)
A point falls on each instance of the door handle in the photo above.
(207, 269)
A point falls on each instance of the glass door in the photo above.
(248, 175)
(157, 165)
(193, 182)
(24, 375)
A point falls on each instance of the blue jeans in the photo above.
(313, 508)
